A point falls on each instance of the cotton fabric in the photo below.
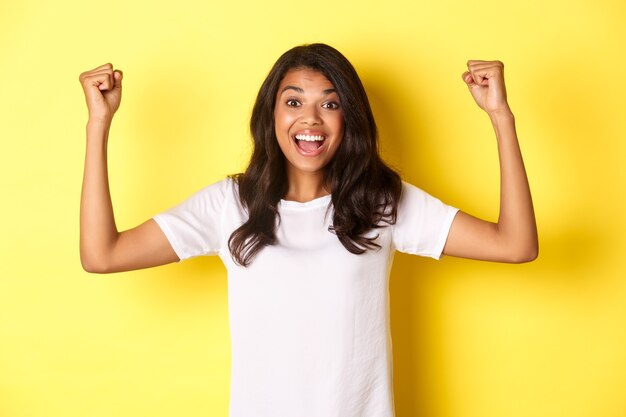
(309, 321)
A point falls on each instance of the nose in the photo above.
(310, 115)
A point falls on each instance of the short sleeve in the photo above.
(423, 223)
(194, 227)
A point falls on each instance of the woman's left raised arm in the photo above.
(514, 237)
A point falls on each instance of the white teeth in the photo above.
(310, 138)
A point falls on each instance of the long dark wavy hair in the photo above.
(364, 190)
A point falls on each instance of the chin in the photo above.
(310, 168)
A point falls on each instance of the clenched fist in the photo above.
(103, 92)
(485, 80)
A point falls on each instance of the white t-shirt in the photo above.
(309, 321)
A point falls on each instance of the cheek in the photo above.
(281, 128)
(340, 125)
(283, 118)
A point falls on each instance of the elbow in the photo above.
(93, 268)
(524, 255)
(94, 264)
(524, 258)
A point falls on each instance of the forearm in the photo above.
(514, 237)
(98, 231)
(516, 222)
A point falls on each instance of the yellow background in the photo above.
(471, 339)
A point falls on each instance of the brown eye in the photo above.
(331, 105)
(292, 103)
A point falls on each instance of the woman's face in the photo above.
(308, 119)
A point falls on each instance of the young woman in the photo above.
(308, 233)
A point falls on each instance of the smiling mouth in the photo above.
(309, 143)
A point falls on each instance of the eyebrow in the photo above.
(301, 91)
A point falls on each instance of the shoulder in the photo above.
(422, 223)
(211, 197)
(411, 192)
(415, 200)
(221, 188)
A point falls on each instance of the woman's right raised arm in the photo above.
(102, 248)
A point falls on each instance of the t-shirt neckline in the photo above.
(316, 202)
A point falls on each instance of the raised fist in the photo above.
(103, 92)
(485, 80)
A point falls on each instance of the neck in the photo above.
(306, 186)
